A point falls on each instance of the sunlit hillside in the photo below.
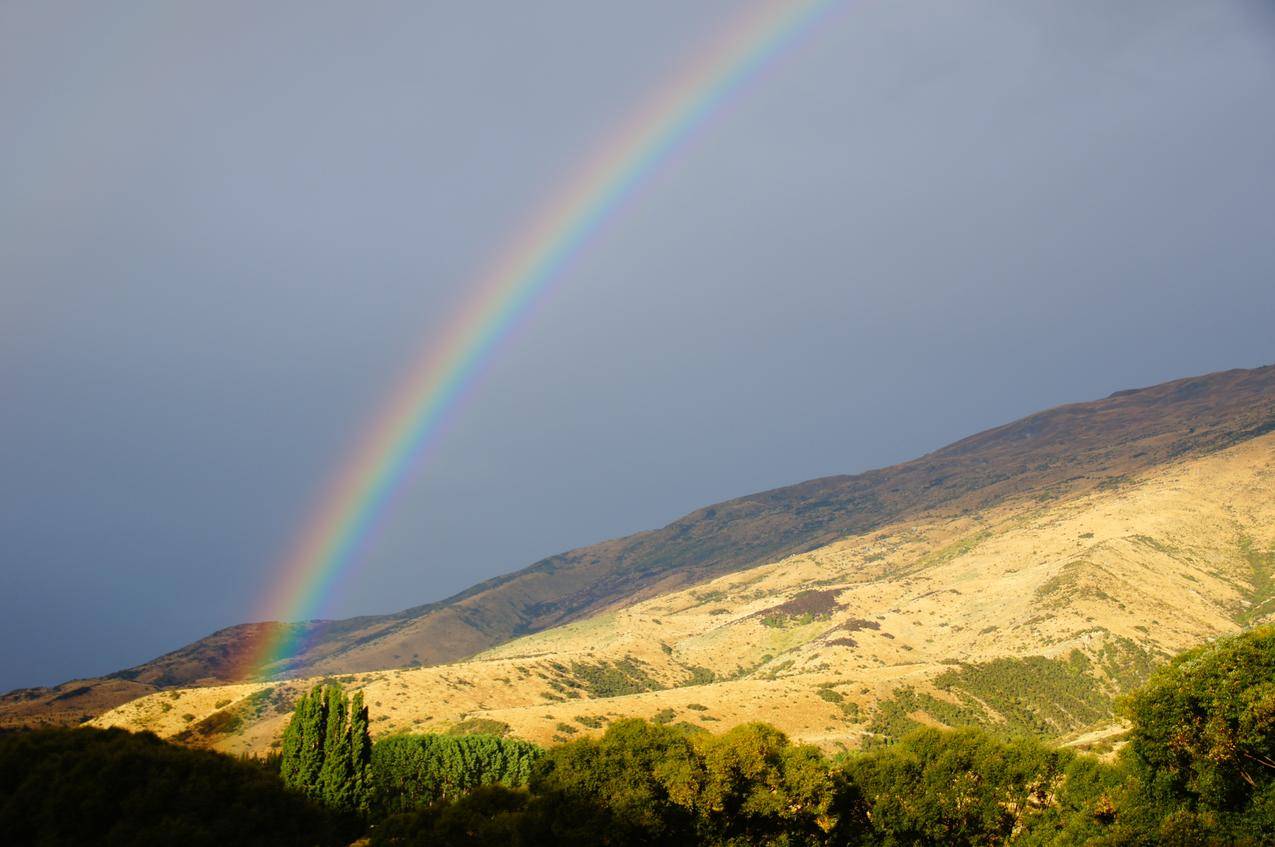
(1029, 615)
(1052, 457)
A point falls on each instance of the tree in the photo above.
(413, 771)
(302, 754)
(955, 787)
(760, 788)
(1203, 738)
(93, 786)
(327, 749)
(360, 754)
(637, 784)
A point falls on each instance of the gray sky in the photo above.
(224, 226)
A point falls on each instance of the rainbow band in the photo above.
(408, 426)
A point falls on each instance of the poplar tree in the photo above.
(335, 774)
(360, 753)
(327, 750)
(302, 755)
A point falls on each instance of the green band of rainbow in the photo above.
(408, 425)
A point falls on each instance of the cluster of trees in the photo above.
(328, 756)
(93, 786)
(641, 783)
(1198, 769)
(646, 784)
(412, 771)
(327, 751)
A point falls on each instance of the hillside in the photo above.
(1067, 452)
(1059, 452)
(1028, 616)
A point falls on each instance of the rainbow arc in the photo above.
(407, 427)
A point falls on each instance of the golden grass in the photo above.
(1157, 561)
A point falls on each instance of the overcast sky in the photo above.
(224, 226)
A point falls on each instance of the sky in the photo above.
(226, 227)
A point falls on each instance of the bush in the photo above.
(480, 726)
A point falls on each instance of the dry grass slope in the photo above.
(1049, 457)
(1026, 614)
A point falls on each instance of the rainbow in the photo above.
(437, 379)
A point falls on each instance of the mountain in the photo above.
(1054, 457)
(1030, 614)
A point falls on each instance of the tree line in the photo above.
(1198, 768)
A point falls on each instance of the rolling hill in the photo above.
(953, 505)
(1029, 616)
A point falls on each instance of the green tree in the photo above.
(1203, 739)
(302, 754)
(111, 787)
(637, 784)
(327, 750)
(412, 771)
(959, 787)
(360, 754)
(336, 774)
(759, 788)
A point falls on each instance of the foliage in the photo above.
(1261, 598)
(643, 783)
(699, 676)
(761, 789)
(410, 771)
(1203, 735)
(480, 726)
(1034, 695)
(90, 786)
(831, 695)
(327, 750)
(614, 679)
(1198, 771)
(488, 815)
(807, 607)
(1009, 697)
(955, 788)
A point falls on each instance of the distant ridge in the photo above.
(1061, 452)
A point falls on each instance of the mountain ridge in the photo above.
(1028, 617)
(1058, 452)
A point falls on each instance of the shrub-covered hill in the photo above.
(1062, 453)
